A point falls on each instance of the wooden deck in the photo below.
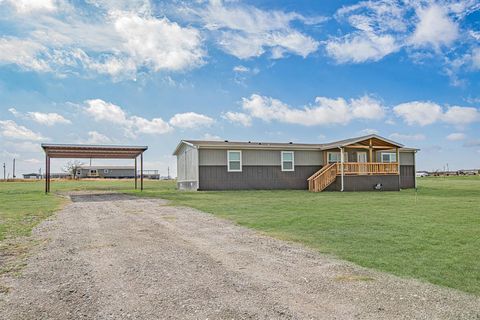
(367, 168)
(321, 179)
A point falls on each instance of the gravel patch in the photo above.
(110, 256)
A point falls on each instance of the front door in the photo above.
(362, 162)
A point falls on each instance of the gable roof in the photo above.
(275, 145)
(347, 142)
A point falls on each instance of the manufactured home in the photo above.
(358, 164)
(106, 172)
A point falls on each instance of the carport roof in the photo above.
(92, 151)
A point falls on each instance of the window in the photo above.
(389, 157)
(335, 157)
(288, 161)
(234, 159)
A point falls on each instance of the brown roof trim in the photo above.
(92, 151)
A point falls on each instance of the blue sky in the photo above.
(153, 73)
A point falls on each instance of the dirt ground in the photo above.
(109, 256)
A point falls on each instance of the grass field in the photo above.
(433, 235)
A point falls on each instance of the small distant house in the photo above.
(106, 172)
(32, 176)
(357, 164)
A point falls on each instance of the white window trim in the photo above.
(345, 156)
(228, 161)
(389, 157)
(293, 160)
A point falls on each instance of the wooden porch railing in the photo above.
(368, 168)
(322, 178)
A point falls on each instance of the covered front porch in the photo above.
(362, 157)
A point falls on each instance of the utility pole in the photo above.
(13, 168)
(168, 173)
(4, 172)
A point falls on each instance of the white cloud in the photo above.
(105, 111)
(246, 31)
(416, 112)
(434, 28)
(24, 146)
(379, 28)
(119, 41)
(95, 137)
(476, 58)
(369, 131)
(238, 117)
(48, 119)
(412, 137)
(10, 129)
(375, 27)
(190, 120)
(461, 115)
(361, 47)
(367, 107)
(457, 136)
(160, 43)
(325, 110)
(30, 6)
(101, 110)
(154, 126)
(211, 137)
(241, 69)
(425, 113)
(24, 53)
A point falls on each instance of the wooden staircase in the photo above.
(322, 178)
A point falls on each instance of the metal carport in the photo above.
(75, 151)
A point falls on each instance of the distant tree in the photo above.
(71, 167)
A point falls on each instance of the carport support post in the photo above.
(47, 173)
(141, 171)
(135, 174)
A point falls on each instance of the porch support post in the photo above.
(141, 171)
(46, 173)
(370, 149)
(398, 160)
(135, 173)
(342, 160)
(415, 168)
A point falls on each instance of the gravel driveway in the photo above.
(111, 256)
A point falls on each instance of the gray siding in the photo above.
(407, 177)
(254, 177)
(407, 158)
(217, 157)
(117, 173)
(112, 173)
(365, 183)
(187, 165)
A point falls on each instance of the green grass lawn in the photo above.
(433, 235)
